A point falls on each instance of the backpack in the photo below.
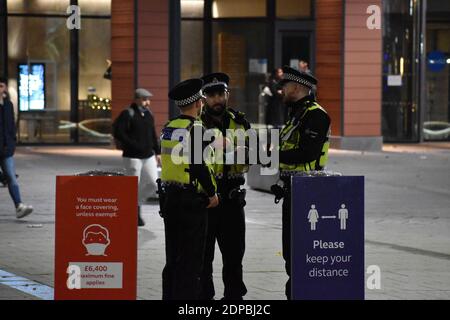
(117, 142)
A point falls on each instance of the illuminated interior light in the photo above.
(402, 66)
(215, 10)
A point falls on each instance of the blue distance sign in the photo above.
(327, 238)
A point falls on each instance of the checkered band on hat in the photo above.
(188, 101)
(293, 77)
(212, 84)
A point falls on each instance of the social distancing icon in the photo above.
(314, 217)
(343, 216)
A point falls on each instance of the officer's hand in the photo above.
(158, 160)
(221, 144)
(213, 201)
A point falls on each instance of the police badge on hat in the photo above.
(217, 81)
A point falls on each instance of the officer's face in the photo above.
(290, 92)
(217, 101)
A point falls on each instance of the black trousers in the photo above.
(286, 236)
(185, 235)
(226, 224)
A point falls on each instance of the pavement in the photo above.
(407, 229)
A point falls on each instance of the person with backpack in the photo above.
(135, 134)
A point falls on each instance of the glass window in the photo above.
(238, 8)
(88, 7)
(41, 41)
(235, 53)
(192, 8)
(97, 7)
(94, 90)
(293, 9)
(437, 108)
(191, 49)
(3, 46)
(38, 6)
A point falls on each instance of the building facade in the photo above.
(389, 84)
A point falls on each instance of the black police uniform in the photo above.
(183, 208)
(313, 128)
(226, 222)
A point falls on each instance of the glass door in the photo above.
(296, 50)
(402, 70)
(293, 48)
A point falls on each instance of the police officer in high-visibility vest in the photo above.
(304, 143)
(226, 222)
(187, 188)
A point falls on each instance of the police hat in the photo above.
(217, 81)
(187, 92)
(303, 78)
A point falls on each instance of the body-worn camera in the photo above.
(162, 198)
(238, 195)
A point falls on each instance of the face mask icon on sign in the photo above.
(96, 240)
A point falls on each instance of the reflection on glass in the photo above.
(437, 109)
(88, 7)
(192, 8)
(94, 92)
(400, 114)
(38, 6)
(97, 7)
(192, 49)
(41, 41)
(238, 8)
(292, 9)
(235, 53)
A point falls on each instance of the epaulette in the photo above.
(239, 118)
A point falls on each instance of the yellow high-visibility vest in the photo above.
(290, 139)
(174, 162)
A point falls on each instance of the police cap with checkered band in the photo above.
(187, 92)
(303, 78)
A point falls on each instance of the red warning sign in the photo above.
(96, 237)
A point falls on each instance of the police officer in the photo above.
(304, 142)
(226, 223)
(189, 189)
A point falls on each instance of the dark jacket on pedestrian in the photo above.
(7, 129)
(137, 134)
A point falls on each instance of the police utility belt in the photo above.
(230, 188)
(188, 197)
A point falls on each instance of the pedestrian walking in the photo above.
(7, 149)
(134, 131)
